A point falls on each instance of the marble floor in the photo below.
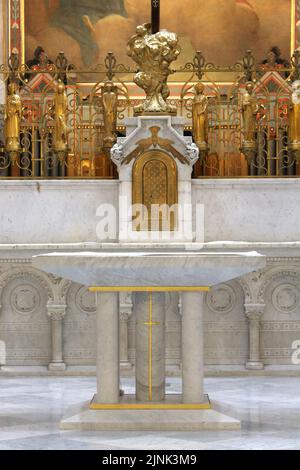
(269, 408)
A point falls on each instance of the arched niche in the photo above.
(155, 183)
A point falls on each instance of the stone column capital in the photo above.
(124, 315)
(56, 312)
(254, 312)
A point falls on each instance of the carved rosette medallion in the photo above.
(221, 299)
(25, 299)
(85, 301)
(286, 298)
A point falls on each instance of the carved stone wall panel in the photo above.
(285, 298)
(280, 325)
(277, 338)
(79, 327)
(276, 285)
(24, 324)
(225, 356)
(131, 338)
(173, 342)
(277, 356)
(173, 329)
(173, 356)
(131, 355)
(25, 329)
(221, 299)
(225, 325)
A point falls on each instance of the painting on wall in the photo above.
(222, 29)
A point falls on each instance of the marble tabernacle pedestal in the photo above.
(149, 275)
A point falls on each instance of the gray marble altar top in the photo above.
(139, 268)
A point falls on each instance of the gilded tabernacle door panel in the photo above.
(155, 193)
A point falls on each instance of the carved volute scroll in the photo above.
(155, 182)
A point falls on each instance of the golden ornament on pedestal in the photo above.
(250, 109)
(199, 118)
(294, 120)
(12, 123)
(153, 53)
(60, 143)
(110, 108)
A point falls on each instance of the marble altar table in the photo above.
(148, 274)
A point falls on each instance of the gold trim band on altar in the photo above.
(206, 405)
(151, 406)
(150, 289)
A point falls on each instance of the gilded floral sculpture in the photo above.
(153, 53)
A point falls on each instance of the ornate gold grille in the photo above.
(88, 157)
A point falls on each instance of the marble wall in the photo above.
(79, 327)
(255, 210)
(252, 210)
(226, 325)
(251, 322)
(66, 211)
(24, 324)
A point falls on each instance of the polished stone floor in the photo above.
(269, 407)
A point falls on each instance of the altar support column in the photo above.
(56, 313)
(125, 313)
(149, 308)
(192, 346)
(108, 377)
(254, 312)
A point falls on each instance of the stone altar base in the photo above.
(128, 415)
(149, 275)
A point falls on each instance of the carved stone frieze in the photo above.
(280, 326)
(259, 332)
(278, 276)
(25, 275)
(217, 326)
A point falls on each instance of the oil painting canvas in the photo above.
(222, 29)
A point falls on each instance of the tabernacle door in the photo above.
(155, 188)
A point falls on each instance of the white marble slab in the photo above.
(262, 211)
(249, 209)
(56, 211)
(147, 420)
(150, 268)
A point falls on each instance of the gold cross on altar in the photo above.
(150, 324)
